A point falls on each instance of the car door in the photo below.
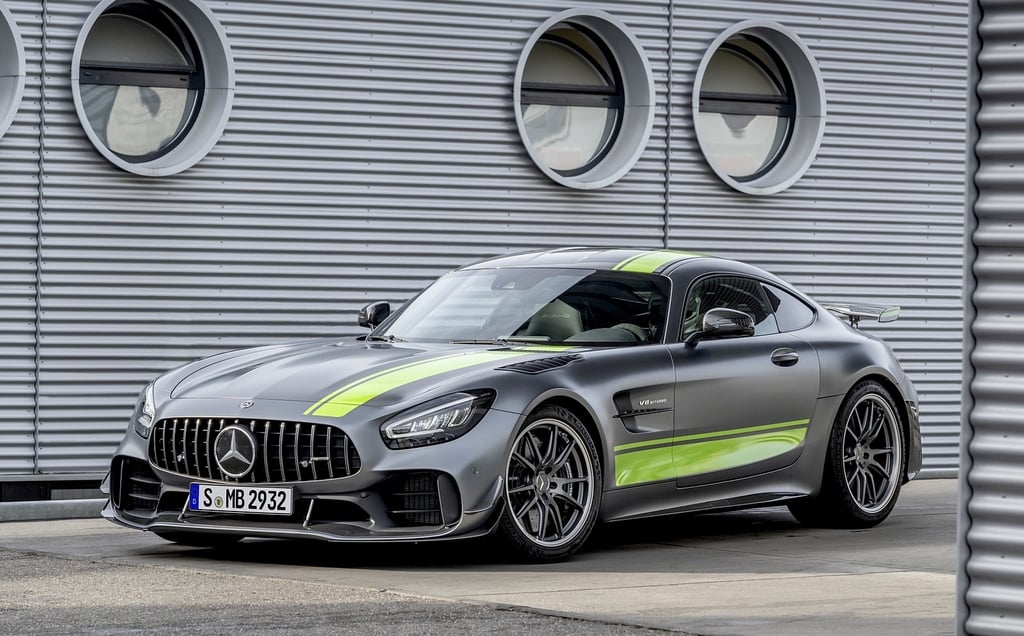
(742, 403)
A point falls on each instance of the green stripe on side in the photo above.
(696, 458)
(351, 396)
(696, 436)
(648, 262)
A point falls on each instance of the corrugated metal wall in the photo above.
(879, 215)
(373, 147)
(991, 541)
(19, 195)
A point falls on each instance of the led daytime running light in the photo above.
(436, 421)
(145, 412)
(446, 416)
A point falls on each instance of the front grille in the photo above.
(286, 451)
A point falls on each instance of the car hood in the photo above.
(334, 377)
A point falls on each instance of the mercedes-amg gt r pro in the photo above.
(532, 396)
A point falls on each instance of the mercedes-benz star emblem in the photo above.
(247, 404)
(235, 451)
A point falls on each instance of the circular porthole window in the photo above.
(12, 69)
(758, 107)
(152, 83)
(584, 97)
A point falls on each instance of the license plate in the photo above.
(260, 500)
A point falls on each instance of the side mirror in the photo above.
(723, 323)
(374, 314)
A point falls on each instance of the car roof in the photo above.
(646, 261)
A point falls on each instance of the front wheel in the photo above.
(864, 466)
(552, 486)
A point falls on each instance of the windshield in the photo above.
(572, 306)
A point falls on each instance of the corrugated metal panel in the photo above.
(371, 147)
(19, 164)
(879, 215)
(991, 545)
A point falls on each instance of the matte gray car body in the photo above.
(678, 426)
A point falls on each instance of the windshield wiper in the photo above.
(506, 340)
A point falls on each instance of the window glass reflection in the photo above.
(571, 100)
(140, 83)
(746, 109)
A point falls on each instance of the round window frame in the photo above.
(215, 101)
(637, 120)
(12, 69)
(807, 127)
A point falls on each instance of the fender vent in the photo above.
(534, 367)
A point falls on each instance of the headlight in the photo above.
(436, 421)
(145, 411)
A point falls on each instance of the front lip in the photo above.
(357, 507)
(472, 523)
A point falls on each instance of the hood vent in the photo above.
(533, 367)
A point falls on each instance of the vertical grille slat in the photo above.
(256, 456)
(194, 455)
(312, 450)
(266, 450)
(282, 475)
(209, 445)
(297, 447)
(174, 445)
(327, 451)
(288, 451)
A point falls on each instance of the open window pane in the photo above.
(746, 109)
(140, 81)
(571, 105)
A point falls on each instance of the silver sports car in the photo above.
(531, 396)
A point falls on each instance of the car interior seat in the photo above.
(557, 320)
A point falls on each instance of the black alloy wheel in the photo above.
(552, 486)
(865, 464)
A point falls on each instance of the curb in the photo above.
(47, 510)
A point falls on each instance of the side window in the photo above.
(730, 292)
(790, 312)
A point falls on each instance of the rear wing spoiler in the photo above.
(855, 312)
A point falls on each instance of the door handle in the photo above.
(785, 357)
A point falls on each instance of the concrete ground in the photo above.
(752, 572)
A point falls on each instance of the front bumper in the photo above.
(435, 492)
(914, 452)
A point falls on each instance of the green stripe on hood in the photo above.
(355, 394)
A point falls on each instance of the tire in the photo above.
(864, 466)
(552, 486)
(198, 539)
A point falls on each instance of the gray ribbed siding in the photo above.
(879, 215)
(370, 148)
(373, 147)
(19, 162)
(992, 511)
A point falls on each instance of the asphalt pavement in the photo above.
(750, 572)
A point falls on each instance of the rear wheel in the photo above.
(864, 465)
(552, 486)
(198, 539)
